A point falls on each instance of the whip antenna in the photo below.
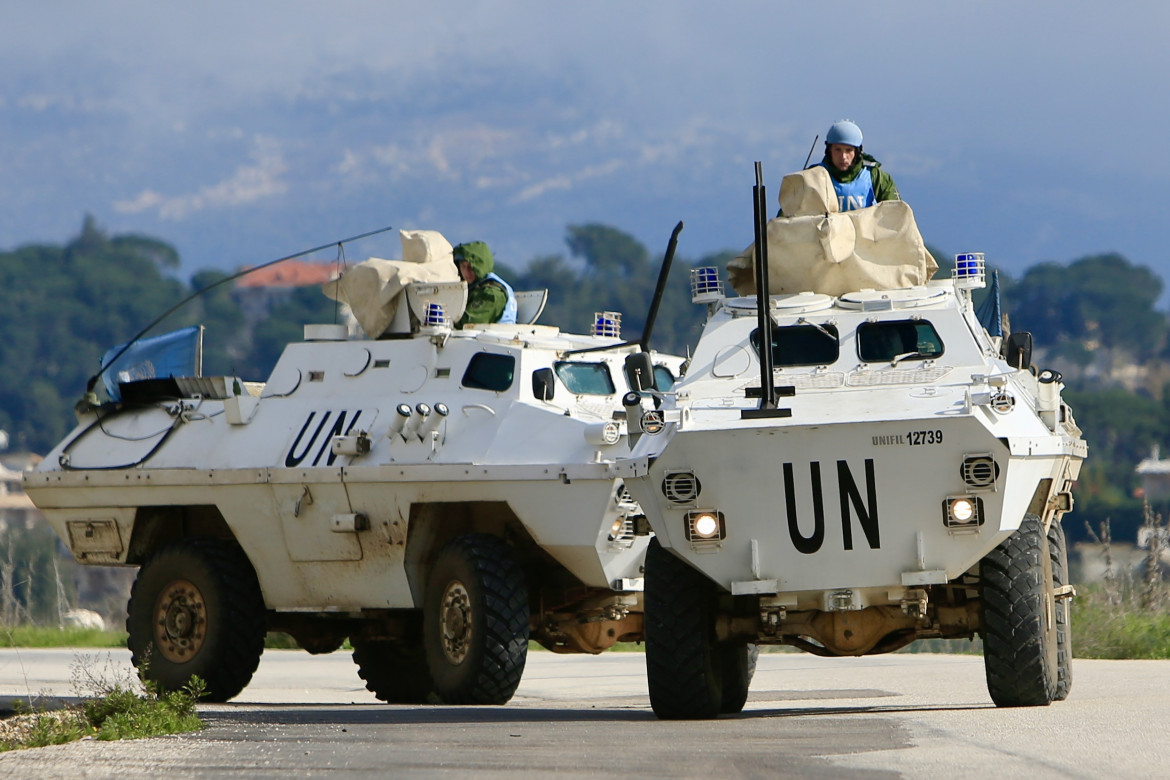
(93, 379)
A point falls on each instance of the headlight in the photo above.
(963, 512)
(705, 525)
(622, 532)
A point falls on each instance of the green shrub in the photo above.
(110, 710)
(1112, 623)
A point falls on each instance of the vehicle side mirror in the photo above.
(543, 384)
(1017, 350)
(640, 372)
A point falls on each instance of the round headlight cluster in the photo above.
(705, 525)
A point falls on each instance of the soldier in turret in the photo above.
(857, 177)
(489, 298)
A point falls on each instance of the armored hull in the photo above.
(866, 509)
(365, 485)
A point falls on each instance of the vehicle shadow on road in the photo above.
(414, 715)
(635, 711)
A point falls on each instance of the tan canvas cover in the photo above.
(817, 248)
(373, 289)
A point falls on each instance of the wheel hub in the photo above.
(180, 621)
(455, 622)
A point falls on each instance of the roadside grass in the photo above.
(112, 707)
(1127, 614)
(51, 636)
(1116, 625)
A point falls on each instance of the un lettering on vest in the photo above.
(856, 194)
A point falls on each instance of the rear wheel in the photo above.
(475, 621)
(1019, 622)
(684, 664)
(196, 609)
(393, 672)
(1058, 552)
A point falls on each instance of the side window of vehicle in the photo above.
(802, 345)
(585, 378)
(664, 378)
(882, 342)
(489, 371)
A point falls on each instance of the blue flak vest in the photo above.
(509, 315)
(856, 194)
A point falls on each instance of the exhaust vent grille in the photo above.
(980, 472)
(681, 487)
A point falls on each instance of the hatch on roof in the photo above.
(878, 300)
(796, 303)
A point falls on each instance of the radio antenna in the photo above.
(93, 379)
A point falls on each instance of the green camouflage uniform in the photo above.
(486, 299)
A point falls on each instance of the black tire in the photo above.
(395, 673)
(739, 666)
(684, 664)
(475, 621)
(1058, 552)
(1019, 634)
(196, 609)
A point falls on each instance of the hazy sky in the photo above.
(241, 132)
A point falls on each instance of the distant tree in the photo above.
(90, 239)
(945, 260)
(608, 251)
(160, 253)
(285, 324)
(64, 307)
(1121, 428)
(615, 275)
(226, 338)
(1097, 301)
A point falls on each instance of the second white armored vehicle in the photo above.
(438, 496)
(850, 463)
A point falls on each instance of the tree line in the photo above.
(1095, 319)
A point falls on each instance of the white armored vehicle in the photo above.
(436, 495)
(887, 471)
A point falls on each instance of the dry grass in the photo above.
(1128, 614)
(113, 706)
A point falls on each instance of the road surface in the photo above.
(914, 716)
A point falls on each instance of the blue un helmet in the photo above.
(844, 132)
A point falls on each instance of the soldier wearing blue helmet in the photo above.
(857, 177)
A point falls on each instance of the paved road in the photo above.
(914, 716)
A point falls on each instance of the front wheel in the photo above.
(1020, 637)
(475, 621)
(685, 666)
(1062, 610)
(196, 609)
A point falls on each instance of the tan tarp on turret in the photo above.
(815, 247)
(373, 289)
